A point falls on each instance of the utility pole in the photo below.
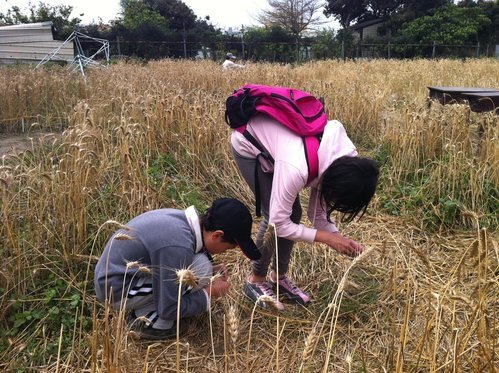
(118, 45)
(185, 42)
(242, 41)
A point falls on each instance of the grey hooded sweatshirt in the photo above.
(164, 241)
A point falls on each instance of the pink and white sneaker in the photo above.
(288, 288)
(259, 291)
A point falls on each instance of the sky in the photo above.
(223, 13)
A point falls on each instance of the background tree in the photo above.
(138, 16)
(448, 26)
(489, 36)
(294, 16)
(141, 30)
(354, 11)
(326, 45)
(204, 34)
(413, 9)
(163, 28)
(269, 44)
(180, 17)
(382, 8)
(189, 32)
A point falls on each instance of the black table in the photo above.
(483, 101)
(479, 99)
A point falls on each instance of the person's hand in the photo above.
(222, 270)
(340, 243)
(218, 288)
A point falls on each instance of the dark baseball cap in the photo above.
(234, 219)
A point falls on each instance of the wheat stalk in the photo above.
(211, 320)
(115, 131)
(335, 304)
(271, 241)
(184, 277)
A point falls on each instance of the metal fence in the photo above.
(434, 50)
(285, 52)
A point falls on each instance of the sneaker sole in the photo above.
(143, 332)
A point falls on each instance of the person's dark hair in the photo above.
(209, 226)
(348, 185)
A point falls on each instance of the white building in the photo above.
(30, 43)
(368, 29)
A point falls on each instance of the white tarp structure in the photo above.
(80, 61)
(30, 43)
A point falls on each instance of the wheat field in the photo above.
(423, 297)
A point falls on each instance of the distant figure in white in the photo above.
(229, 63)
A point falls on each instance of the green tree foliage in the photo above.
(326, 45)
(138, 17)
(345, 11)
(490, 33)
(412, 9)
(424, 21)
(449, 25)
(162, 28)
(355, 11)
(382, 8)
(269, 44)
(140, 30)
(60, 15)
(180, 17)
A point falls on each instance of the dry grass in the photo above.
(141, 137)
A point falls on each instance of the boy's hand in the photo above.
(218, 288)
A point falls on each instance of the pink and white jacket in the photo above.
(290, 171)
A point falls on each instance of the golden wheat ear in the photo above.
(269, 301)
(233, 324)
(310, 343)
(187, 277)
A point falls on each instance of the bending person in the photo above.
(345, 183)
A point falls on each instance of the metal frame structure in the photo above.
(80, 61)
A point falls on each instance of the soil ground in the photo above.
(15, 143)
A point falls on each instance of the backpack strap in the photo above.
(311, 144)
(265, 154)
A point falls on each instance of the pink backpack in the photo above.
(298, 110)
